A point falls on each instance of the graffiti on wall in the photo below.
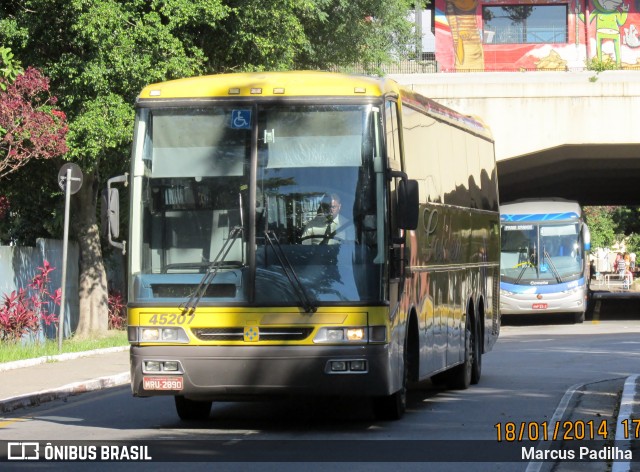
(606, 30)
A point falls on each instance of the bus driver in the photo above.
(329, 226)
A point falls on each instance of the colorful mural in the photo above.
(608, 30)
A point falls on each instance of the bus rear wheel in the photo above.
(191, 410)
(460, 376)
(477, 341)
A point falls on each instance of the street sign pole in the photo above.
(65, 244)
(69, 180)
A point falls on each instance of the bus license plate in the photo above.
(162, 383)
(539, 306)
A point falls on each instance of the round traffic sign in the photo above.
(76, 177)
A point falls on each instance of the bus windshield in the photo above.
(541, 253)
(284, 217)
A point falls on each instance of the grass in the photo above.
(17, 351)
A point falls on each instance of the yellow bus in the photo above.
(306, 233)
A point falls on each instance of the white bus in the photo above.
(544, 263)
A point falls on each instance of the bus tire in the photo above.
(477, 343)
(192, 410)
(460, 375)
(392, 407)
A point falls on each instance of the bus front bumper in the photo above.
(531, 303)
(244, 372)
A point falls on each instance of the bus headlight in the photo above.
(144, 334)
(351, 334)
(355, 334)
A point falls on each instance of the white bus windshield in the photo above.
(541, 253)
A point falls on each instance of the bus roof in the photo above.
(271, 84)
(303, 84)
(546, 209)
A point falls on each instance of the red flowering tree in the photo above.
(30, 125)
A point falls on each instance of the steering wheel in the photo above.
(523, 264)
(321, 237)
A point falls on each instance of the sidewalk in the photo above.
(34, 381)
(612, 283)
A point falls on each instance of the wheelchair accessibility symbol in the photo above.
(241, 119)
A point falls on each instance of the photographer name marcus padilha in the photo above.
(581, 453)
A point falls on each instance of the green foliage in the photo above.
(14, 352)
(627, 220)
(628, 226)
(600, 65)
(609, 225)
(633, 243)
(9, 67)
(36, 204)
(370, 33)
(601, 225)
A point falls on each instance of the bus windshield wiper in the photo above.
(556, 274)
(289, 271)
(522, 271)
(212, 270)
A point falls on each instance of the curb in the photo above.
(35, 399)
(627, 401)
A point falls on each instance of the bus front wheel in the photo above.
(190, 410)
(392, 407)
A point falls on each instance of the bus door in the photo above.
(395, 241)
(396, 245)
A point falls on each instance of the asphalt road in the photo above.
(525, 378)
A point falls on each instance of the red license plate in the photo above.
(539, 306)
(162, 383)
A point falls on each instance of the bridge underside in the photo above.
(592, 174)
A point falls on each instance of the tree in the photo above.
(32, 130)
(627, 220)
(100, 53)
(370, 32)
(30, 126)
(601, 225)
(10, 67)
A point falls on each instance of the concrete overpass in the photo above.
(574, 135)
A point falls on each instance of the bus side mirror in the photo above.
(111, 211)
(586, 236)
(408, 204)
(111, 215)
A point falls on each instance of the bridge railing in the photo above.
(431, 66)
